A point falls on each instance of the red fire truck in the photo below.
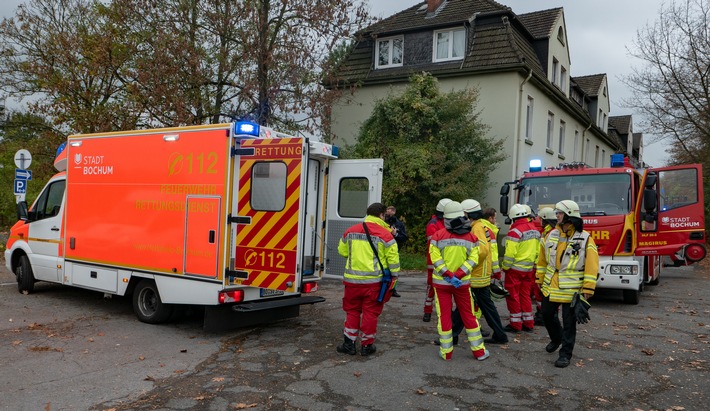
(636, 216)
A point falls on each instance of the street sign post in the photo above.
(21, 174)
(23, 159)
(20, 187)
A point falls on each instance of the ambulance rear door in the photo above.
(352, 186)
(266, 215)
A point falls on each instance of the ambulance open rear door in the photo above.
(352, 186)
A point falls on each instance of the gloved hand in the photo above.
(455, 282)
(447, 274)
(580, 307)
(460, 274)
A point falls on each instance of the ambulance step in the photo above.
(278, 303)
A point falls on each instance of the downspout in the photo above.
(584, 148)
(518, 141)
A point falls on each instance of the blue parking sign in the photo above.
(20, 186)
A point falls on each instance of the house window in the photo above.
(550, 128)
(586, 152)
(596, 156)
(563, 79)
(600, 122)
(529, 118)
(555, 69)
(390, 52)
(561, 35)
(604, 157)
(449, 44)
(576, 144)
(562, 137)
(604, 121)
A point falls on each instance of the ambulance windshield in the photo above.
(596, 194)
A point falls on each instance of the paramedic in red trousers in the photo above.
(435, 224)
(548, 221)
(522, 246)
(454, 252)
(363, 278)
(481, 277)
(568, 263)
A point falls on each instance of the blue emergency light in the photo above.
(246, 128)
(617, 160)
(535, 165)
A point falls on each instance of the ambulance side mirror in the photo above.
(22, 211)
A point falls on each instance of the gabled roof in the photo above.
(621, 123)
(590, 84)
(541, 23)
(450, 13)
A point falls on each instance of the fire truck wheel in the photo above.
(148, 306)
(25, 278)
(632, 296)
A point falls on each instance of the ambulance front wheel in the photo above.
(25, 278)
(148, 306)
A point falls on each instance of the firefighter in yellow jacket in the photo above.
(568, 263)
(454, 251)
(363, 277)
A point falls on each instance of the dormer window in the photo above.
(449, 44)
(390, 52)
(561, 35)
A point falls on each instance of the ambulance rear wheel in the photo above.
(25, 278)
(148, 306)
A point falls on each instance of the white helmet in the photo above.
(517, 211)
(528, 210)
(470, 206)
(442, 203)
(547, 213)
(453, 209)
(568, 207)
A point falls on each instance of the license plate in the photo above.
(267, 292)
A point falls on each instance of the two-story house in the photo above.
(520, 65)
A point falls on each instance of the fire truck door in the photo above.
(352, 186)
(679, 214)
(202, 236)
(267, 204)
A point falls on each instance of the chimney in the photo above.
(432, 5)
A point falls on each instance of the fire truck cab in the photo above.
(635, 216)
(233, 217)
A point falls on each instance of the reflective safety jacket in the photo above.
(481, 274)
(568, 263)
(495, 261)
(362, 266)
(451, 252)
(435, 224)
(522, 246)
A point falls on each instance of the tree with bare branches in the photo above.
(672, 86)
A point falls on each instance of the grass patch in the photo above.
(412, 261)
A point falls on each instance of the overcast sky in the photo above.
(598, 34)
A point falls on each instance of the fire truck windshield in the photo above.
(596, 194)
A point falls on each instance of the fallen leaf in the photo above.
(677, 408)
(673, 341)
(141, 358)
(100, 334)
(17, 342)
(199, 398)
(218, 379)
(553, 392)
(648, 351)
(420, 391)
(600, 399)
(149, 378)
(91, 339)
(357, 374)
(242, 405)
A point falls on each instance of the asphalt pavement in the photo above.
(69, 349)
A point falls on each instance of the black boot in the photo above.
(347, 347)
(538, 318)
(368, 350)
